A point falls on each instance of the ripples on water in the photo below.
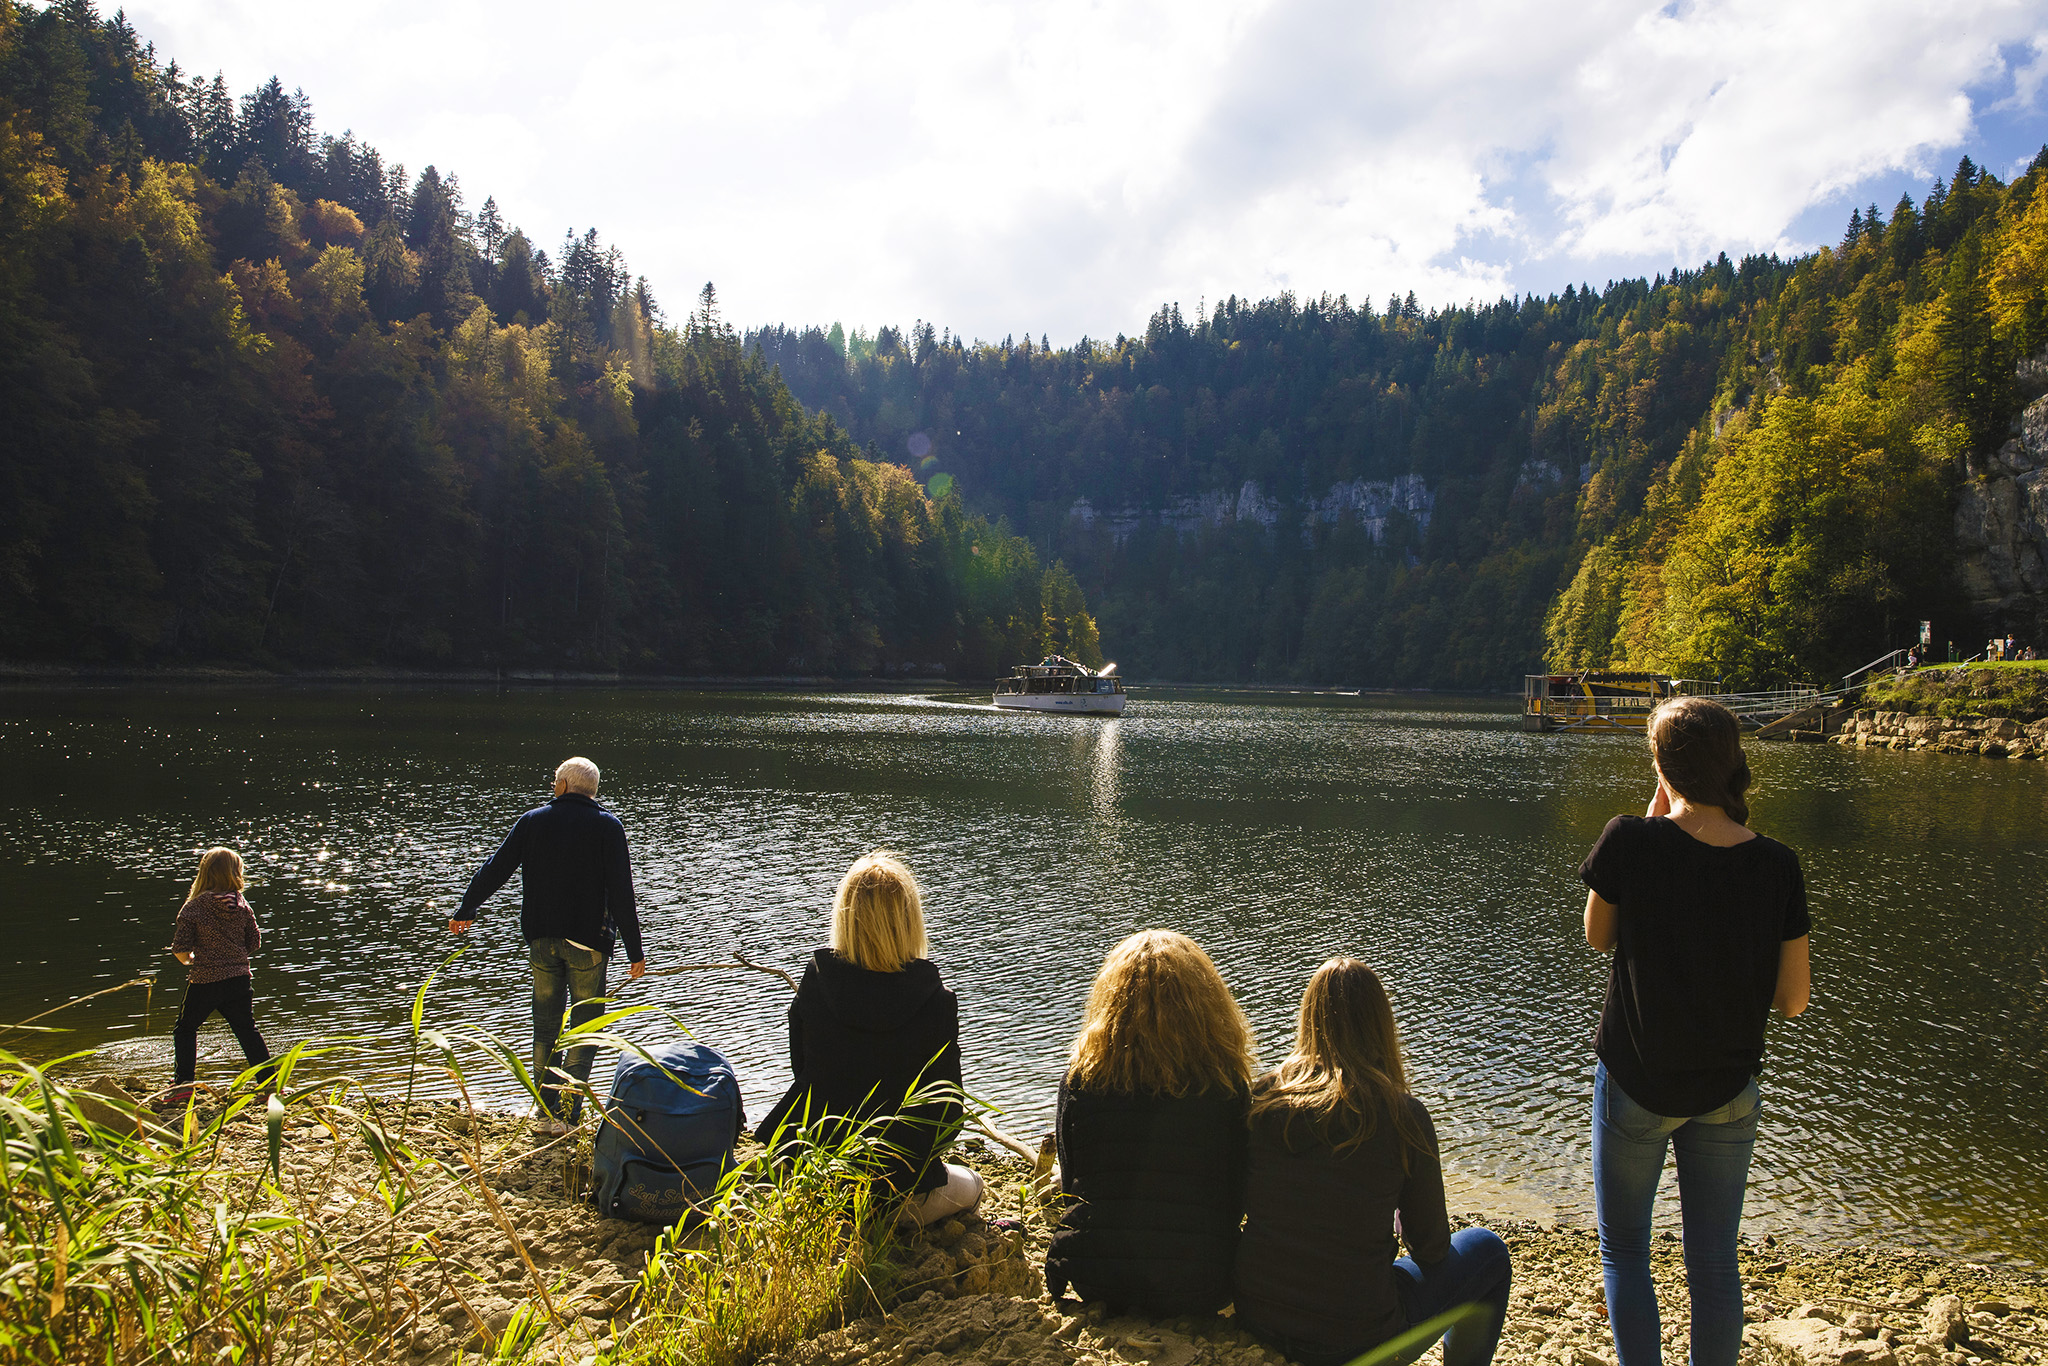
(1438, 842)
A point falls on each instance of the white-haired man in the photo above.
(576, 897)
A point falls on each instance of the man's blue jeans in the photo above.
(1713, 1170)
(1477, 1269)
(562, 969)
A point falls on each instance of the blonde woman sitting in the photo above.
(1151, 1134)
(870, 1025)
(1339, 1148)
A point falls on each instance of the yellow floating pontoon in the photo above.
(1598, 699)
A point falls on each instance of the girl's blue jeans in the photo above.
(1477, 1269)
(1713, 1170)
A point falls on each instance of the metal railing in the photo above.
(1770, 700)
(1879, 662)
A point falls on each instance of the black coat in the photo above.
(576, 878)
(859, 1041)
(1156, 1192)
(1315, 1273)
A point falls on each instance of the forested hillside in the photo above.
(266, 398)
(1743, 471)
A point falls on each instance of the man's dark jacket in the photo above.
(576, 881)
(1155, 1191)
(859, 1042)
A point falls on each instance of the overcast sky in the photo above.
(1066, 167)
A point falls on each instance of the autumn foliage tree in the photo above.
(270, 399)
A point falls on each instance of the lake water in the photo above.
(1431, 837)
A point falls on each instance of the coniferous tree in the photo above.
(518, 288)
(352, 175)
(210, 324)
(215, 128)
(278, 128)
(1972, 369)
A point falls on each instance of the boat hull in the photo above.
(1074, 704)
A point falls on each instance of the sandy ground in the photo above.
(975, 1294)
(1807, 1308)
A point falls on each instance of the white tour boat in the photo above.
(1059, 684)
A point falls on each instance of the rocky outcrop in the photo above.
(1993, 737)
(1371, 502)
(1374, 501)
(2002, 526)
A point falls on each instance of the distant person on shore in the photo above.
(1708, 924)
(2010, 651)
(1338, 1148)
(871, 1024)
(576, 898)
(1151, 1134)
(215, 934)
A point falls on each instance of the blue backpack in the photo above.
(668, 1133)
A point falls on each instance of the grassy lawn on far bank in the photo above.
(2016, 689)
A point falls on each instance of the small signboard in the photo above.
(1926, 633)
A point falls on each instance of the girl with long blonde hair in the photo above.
(1339, 1150)
(870, 1026)
(1151, 1133)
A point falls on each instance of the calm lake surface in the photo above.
(1431, 837)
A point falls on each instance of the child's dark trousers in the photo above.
(235, 999)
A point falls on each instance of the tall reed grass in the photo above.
(790, 1246)
(129, 1238)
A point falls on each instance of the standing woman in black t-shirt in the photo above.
(1707, 920)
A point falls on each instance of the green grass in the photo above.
(788, 1249)
(1992, 664)
(125, 1242)
(2016, 689)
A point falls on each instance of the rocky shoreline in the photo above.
(1807, 1307)
(971, 1291)
(1993, 737)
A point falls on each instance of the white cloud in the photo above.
(1068, 166)
(1718, 128)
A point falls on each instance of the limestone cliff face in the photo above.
(2002, 526)
(1372, 502)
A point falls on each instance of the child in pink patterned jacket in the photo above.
(216, 933)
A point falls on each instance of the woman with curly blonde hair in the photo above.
(1151, 1133)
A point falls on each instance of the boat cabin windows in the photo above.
(1059, 677)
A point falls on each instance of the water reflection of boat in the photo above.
(1056, 683)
